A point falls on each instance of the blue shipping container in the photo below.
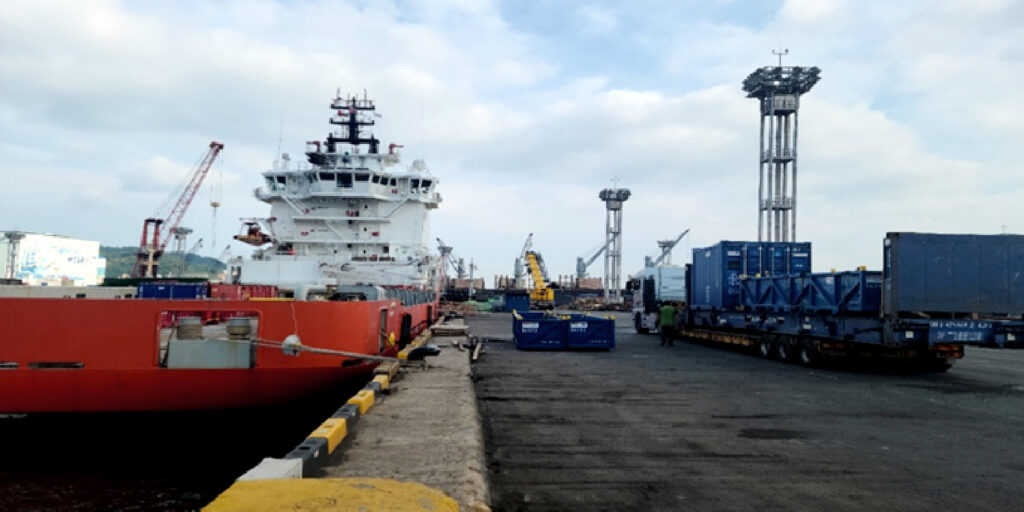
(937, 273)
(179, 291)
(717, 270)
(517, 302)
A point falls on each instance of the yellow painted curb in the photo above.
(332, 429)
(364, 399)
(384, 381)
(331, 494)
(389, 369)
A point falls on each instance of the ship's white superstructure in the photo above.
(348, 216)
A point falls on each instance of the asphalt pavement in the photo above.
(699, 427)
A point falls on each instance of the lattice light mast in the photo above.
(613, 199)
(778, 88)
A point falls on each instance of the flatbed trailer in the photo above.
(936, 294)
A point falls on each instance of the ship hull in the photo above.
(95, 355)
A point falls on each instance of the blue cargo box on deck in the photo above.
(716, 270)
(938, 273)
(179, 291)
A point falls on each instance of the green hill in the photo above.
(120, 261)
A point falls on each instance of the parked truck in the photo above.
(653, 286)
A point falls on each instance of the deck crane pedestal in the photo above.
(155, 232)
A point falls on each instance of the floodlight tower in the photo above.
(613, 199)
(778, 88)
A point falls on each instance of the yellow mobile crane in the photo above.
(542, 296)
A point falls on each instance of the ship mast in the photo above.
(350, 115)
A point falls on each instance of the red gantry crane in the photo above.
(155, 232)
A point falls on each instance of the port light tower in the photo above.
(613, 199)
(778, 88)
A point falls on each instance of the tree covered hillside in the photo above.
(120, 261)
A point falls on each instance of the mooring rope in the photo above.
(297, 347)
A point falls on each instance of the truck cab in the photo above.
(652, 287)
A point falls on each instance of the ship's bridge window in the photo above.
(414, 187)
(327, 176)
(345, 180)
(376, 179)
(362, 176)
(426, 185)
(394, 182)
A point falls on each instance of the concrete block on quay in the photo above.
(270, 468)
(333, 430)
(312, 452)
(383, 380)
(351, 414)
(375, 388)
(363, 399)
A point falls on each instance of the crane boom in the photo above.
(667, 246)
(150, 250)
(581, 264)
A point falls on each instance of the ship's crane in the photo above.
(666, 247)
(582, 265)
(155, 231)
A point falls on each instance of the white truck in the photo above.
(651, 287)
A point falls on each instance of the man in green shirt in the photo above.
(667, 323)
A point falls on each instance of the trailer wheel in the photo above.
(783, 350)
(809, 354)
(765, 348)
(638, 325)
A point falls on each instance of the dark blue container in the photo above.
(936, 273)
(587, 331)
(716, 270)
(538, 330)
(519, 302)
(180, 291)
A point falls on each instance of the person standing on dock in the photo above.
(666, 323)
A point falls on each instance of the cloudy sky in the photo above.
(524, 110)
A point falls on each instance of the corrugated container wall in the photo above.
(935, 273)
(717, 269)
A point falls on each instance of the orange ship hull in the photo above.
(90, 355)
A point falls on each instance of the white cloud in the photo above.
(915, 125)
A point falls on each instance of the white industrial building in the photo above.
(50, 260)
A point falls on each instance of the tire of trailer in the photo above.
(765, 347)
(809, 354)
(783, 350)
(638, 325)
